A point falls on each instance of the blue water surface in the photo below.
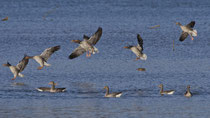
(34, 25)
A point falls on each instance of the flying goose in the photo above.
(87, 45)
(188, 93)
(52, 89)
(118, 94)
(187, 30)
(19, 67)
(137, 50)
(42, 59)
(165, 92)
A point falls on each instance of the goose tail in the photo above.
(194, 32)
(143, 57)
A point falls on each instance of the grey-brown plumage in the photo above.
(87, 45)
(16, 70)
(52, 89)
(138, 50)
(44, 56)
(187, 30)
(162, 92)
(115, 94)
(23, 63)
(188, 93)
(48, 52)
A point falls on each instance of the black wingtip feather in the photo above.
(99, 29)
(72, 56)
(85, 37)
(57, 47)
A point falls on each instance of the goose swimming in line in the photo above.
(188, 93)
(87, 45)
(137, 50)
(42, 59)
(187, 30)
(19, 67)
(165, 92)
(118, 94)
(52, 89)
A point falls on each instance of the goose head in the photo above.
(160, 86)
(76, 41)
(7, 64)
(106, 87)
(178, 23)
(52, 83)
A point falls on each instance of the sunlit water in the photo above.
(36, 25)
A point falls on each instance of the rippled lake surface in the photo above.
(33, 26)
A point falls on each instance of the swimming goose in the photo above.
(188, 93)
(52, 89)
(87, 45)
(19, 67)
(118, 94)
(137, 50)
(42, 59)
(165, 92)
(187, 30)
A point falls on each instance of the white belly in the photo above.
(39, 60)
(14, 70)
(86, 46)
(136, 51)
(170, 93)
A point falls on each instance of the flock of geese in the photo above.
(88, 45)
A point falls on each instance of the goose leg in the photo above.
(15, 75)
(89, 54)
(192, 37)
(39, 68)
(14, 78)
(86, 54)
(137, 58)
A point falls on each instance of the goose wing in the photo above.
(140, 42)
(48, 52)
(95, 38)
(116, 94)
(43, 89)
(22, 64)
(77, 52)
(60, 89)
(183, 36)
(191, 24)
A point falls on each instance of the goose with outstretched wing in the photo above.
(44, 56)
(187, 30)
(16, 70)
(87, 45)
(138, 50)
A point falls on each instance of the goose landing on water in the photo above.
(169, 92)
(138, 50)
(118, 94)
(42, 59)
(19, 67)
(52, 89)
(87, 45)
(187, 30)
